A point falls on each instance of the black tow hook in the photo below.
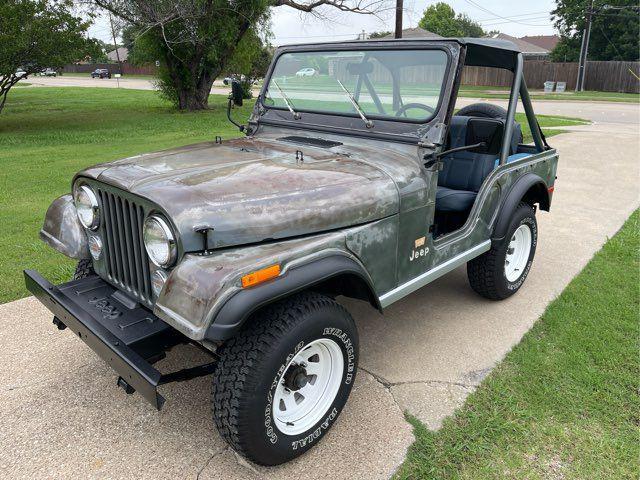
(58, 323)
(128, 389)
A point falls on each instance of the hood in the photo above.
(251, 190)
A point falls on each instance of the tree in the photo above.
(615, 30)
(470, 28)
(38, 34)
(441, 19)
(196, 39)
(250, 62)
(379, 34)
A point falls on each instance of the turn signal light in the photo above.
(260, 276)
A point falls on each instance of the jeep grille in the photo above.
(127, 263)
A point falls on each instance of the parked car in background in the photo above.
(21, 74)
(48, 72)
(306, 72)
(101, 73)
(230, 78)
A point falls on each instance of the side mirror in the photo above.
(236, 93)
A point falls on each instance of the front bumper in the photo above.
(124, 334)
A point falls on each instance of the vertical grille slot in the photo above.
(126, 262)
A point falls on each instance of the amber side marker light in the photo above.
(260, 276)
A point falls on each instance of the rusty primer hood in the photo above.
(251, 190)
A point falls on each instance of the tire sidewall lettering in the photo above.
(306, 439)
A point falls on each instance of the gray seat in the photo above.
(463, 172)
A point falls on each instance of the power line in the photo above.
(511, 20)
(514, 16)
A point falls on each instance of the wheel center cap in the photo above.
(295, 378)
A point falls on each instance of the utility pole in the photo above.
(115, 45)
(399, 18)
(584, 48)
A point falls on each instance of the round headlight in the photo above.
(87, 206)
(159, 241)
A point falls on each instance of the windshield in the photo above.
(388, 84)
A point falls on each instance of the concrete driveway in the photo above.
(63, 417)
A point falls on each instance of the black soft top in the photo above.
(481, 52)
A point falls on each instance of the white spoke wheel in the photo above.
(517, 253)
(501, 271)
(281, 382)
(308, 386)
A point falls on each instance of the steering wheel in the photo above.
(403, 109)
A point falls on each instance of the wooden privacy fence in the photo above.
(127, 69)
(600, 76)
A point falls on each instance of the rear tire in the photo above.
(485, 110)
(501, 271)
(263, 398)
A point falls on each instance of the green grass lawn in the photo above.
(475, 91)
(48, 134)
(564, 404)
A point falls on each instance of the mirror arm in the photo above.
(240, 127)
(433, 157)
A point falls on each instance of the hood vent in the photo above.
(310, 141)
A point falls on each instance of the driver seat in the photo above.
(464, 172)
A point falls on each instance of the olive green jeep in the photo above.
(356, 181)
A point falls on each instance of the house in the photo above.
(123, 53)
(529, 50)
(545, 41)
(416, 32)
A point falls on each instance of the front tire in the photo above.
(501, 271)
(281, 383)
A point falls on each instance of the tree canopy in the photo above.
(441, 19)
(615, 30)
(196, 39)
(39, 34)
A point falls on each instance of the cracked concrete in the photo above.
(63, 417)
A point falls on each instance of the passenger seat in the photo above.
(464, 172)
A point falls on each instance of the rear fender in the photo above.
(529, 188)
(62, 230)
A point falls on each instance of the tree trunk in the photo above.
(193, 95)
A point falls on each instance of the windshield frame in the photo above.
(405, 129)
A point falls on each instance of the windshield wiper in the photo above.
(295, 114)
(367, 122)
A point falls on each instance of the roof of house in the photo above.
(545, 41)
(522, 45)
(123, 53)
(416, 32)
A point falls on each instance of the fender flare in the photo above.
(237, 309)
(513, 198)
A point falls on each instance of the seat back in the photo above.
(467, 170)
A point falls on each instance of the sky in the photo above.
(513, 17)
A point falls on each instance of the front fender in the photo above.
(62, 230)
(200, 284)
